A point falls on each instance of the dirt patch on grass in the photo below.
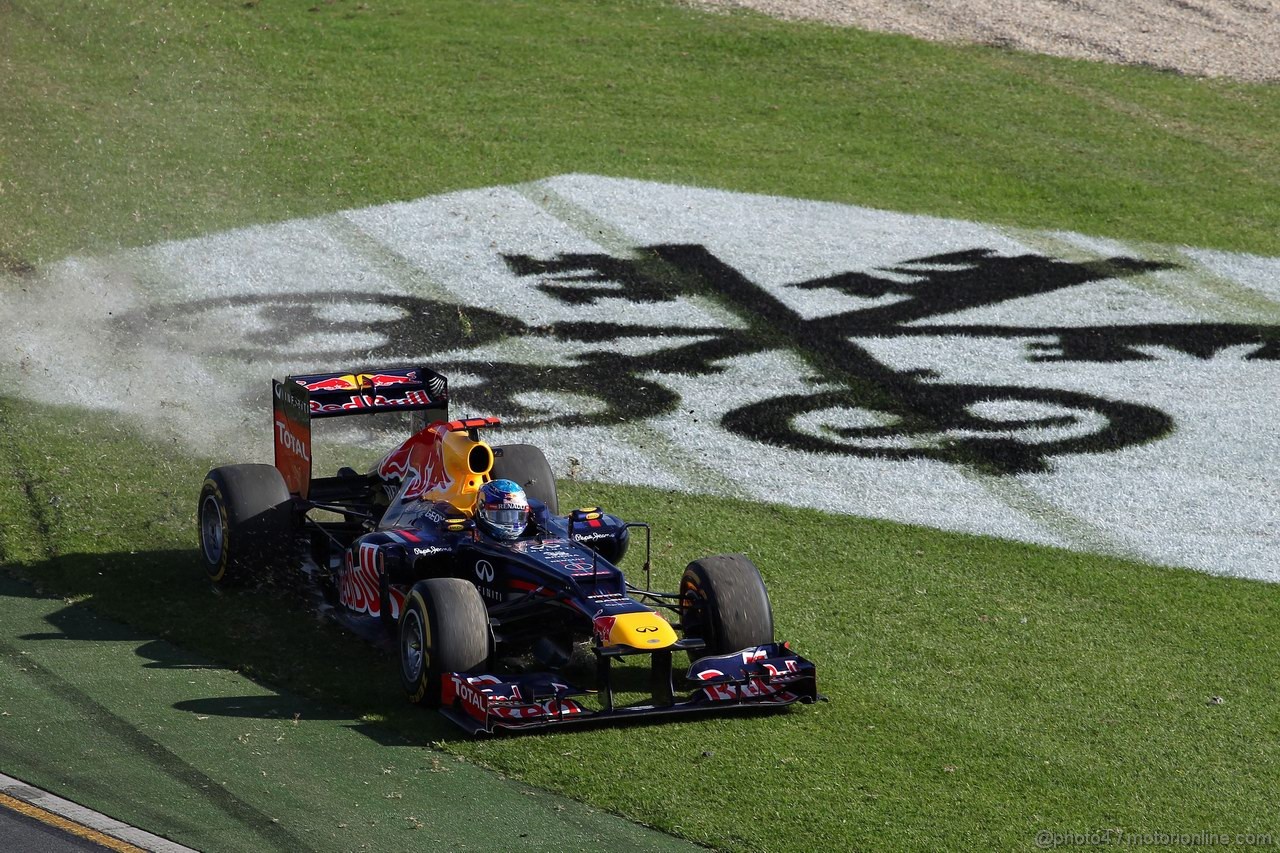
(15, 265)
(1212, 38)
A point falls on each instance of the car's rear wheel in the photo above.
(247, 522)
(444, 627)
(723, 601)
(527, 466)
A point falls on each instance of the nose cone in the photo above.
(644, 630)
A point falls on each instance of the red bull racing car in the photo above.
(459, 549)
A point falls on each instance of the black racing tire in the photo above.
(723, 601)
(444, 628)
(527, 466)
(247, 523)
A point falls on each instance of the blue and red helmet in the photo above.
(502, 509)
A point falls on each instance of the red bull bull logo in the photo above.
(362, 381)
(419, 463)
(428, 472)
(396, 463)
(358, 584)
(602, 626)
(383, 380)
(334, 383)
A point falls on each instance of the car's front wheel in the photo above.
(444, 628)
(723, 602)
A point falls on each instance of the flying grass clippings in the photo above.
(1039, 386)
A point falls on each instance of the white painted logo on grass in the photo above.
(1039, 386)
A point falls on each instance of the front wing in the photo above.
(768, 676)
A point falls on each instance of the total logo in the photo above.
(473, 698)
(292, 442)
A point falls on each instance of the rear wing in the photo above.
(299, 399)
(390, 389)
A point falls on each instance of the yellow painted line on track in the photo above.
(52, 810)
(60, 822)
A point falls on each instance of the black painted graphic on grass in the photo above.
(861, 407)
(877, 411)
(887, 413)
(313, 325)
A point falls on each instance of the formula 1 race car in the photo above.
(403, 544)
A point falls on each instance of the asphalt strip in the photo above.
(79, 821)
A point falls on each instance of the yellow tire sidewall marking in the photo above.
(221, 573)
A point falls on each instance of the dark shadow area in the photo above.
(289, 708)
(316, 689)
(81, 625)
(316, 666)
(279, 707)
(162, 655)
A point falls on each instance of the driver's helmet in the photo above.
(502, 509)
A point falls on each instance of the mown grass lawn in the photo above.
(128, 123)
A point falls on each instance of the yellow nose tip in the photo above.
(642, 631)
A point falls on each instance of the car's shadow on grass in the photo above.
(313, 668)
(309, 664)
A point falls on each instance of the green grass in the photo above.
(980, 690)
(128, 123)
